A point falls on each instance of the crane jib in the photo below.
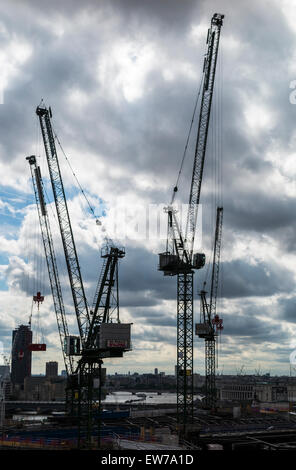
(50, 260)
(202, 133)
(40, 193)
(181, 245)
(74, 273)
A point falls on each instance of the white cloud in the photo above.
(15, 53)
(123, 68)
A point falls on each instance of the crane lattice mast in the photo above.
(106, 299)
(179, 259)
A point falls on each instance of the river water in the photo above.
(150, 398)
(119, 398)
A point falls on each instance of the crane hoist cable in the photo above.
(215, 142)
(187, 141)
(36, 325)
(107, 238)
(74, 174)
(69, 164)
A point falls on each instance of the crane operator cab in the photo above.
(110, 340)
(113, 339)
(72, 345)
(171, 264)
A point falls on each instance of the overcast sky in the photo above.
(121, 77)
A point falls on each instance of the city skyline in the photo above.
(122, 82)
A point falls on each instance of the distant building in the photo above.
(51, 369)
(33, 387)
(156, 371)
(198, 381)
(4, 371)
(41, 388)
(237, 392)
(291, 393)
(271, 392)
(21, 356)
(5, 376)
(64, 373)
(263, 389)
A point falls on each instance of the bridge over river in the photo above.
(17, 406)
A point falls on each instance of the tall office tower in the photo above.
(21, 356)
(51, 369)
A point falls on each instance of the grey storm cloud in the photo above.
(287, 309)
(247, 328)
(241, 279)
(156, 336)
(130, 298)
(261, 213)
(139, 270)
(153, 317)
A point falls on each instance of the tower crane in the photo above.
(53, 273)
(179, 259)
(211, 324)
(99, 337)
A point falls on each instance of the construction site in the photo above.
(88, 406)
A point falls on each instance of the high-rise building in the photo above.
(156, 371)
(4, 371)
(51, 369)
(21, 356)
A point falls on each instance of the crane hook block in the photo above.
(38, 298)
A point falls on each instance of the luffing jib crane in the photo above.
(50, 260)
(99, 336)
(179, 259)
(211, 324)
(53, 275)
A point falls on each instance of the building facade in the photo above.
(51, 369)
(237, 392)
(21, 356)
(41, 388)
